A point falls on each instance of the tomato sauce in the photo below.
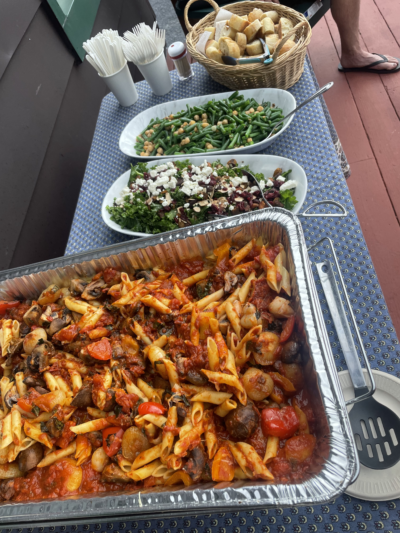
(51, 481)
(187, 268)
(262, 295)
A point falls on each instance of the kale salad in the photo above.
(178, 194)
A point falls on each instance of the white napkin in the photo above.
(201, 44)
(223, 14)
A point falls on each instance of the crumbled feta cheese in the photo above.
(160, 168)
(280, 178)
(262, 184)
(254, 189)
(119, 201)
(165, 203)
(186, 206)
(139, 181)
(153, 173)
(125, 191)
(270, 183)
(231, 207)
(290, 184)
(170, 165)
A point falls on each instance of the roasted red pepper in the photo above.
(100, 350)
(151, 408)
(112, 440)
(288, 329)
(4, 305)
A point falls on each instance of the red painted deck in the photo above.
(365, 109)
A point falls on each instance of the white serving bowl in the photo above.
(280, 98)
(257, 163)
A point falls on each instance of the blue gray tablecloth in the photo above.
(308, 141)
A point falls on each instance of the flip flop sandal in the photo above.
(369, 68)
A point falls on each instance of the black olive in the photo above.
(31, 457)
(290, 352)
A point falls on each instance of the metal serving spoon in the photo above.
(318, 93)
(376, 428)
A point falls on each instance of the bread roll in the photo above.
(245, 17)
(228, 47)
(272, 42)
(237, 23)
(216, 55)
(241, 41)
(251, 31)
(276, 28)
(227, 31)
(211, 44)
(267, 26)
(285, 25)
(273, 15)
(211, 30)
(286, 47)
(255, 48)
(256, 14)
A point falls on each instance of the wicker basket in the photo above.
(282, 73)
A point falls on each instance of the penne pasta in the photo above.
(145, 472)
(227, 379)
(151, 301)
(148, 391)
(194, 327)
(169, 433)
(272, 449)
(210, 434)
(195, 278)
(223, 409)
(19, 382)
(93, 425)
(189, 441)
(52, 457)
(147, 457)
(16, 427)
(83, 449)
(243, 252)
(197, 412)
(245, 288)
(211, 397)
(34, 432)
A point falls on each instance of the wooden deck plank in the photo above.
(372, 100)
(380, 228)
(339, 99)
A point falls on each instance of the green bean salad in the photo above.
(217, 125)
(179, 194)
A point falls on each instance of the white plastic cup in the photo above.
(157, 75)
(122, 86)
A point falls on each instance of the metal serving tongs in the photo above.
(372, 423)
(266, 58)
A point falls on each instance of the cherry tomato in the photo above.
(112, 440)
(100, 350)
(27, 400)
(288, 329)
(282, 423)
(151, 408)
(4, 305)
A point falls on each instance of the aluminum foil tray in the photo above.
(339, 461)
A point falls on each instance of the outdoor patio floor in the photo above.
(365, 109)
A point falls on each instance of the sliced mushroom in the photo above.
(59, 323)
(46, 317)
(55, 427)
(195, 465)
(113, 474)
(232, 163)
(11, 397)
(31, 340)
(31, 457)
(196, 378)
(30, 381)
(77, 286)
(181, 412)
(110, 400)
(41, 390)
(31, 317)
(95, 438)
(38, 360)
(242, 422)
(94, 289)
(230, 281)
(146, 274)
(15, 346)
(83, 398)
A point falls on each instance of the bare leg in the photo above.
(346, 14)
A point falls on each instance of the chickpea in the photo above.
(171, 116)
(196, 129)
(247, 112)
(151, 131)
(196, 118)
(219, 123)
(260, 108)
(204, 125)
(235, 112)
(180, 131)
(148, 134)
(192, 122)
(251, 110)
(225, 121)
(257, 384)
(249, 140)
(143, 153)
(185, 124)
(204, 115)
(185, 141)
(209, 146)
(160, 151)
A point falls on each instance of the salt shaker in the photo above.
(178, 53)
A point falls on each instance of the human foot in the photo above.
(365, 59)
